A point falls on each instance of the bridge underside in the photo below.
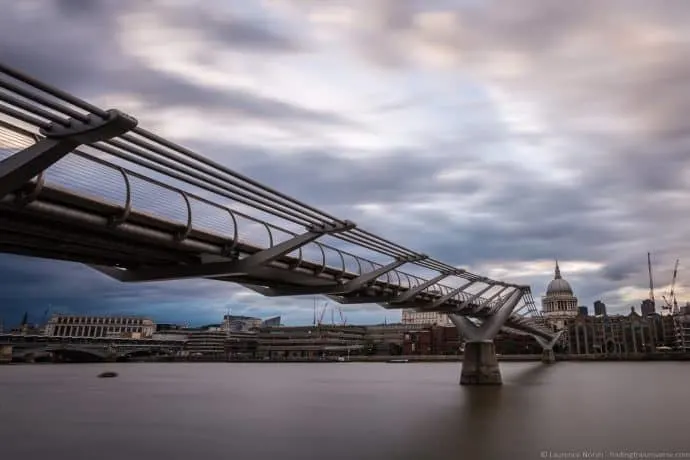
(59, 225)
(81, 184)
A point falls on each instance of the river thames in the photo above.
(342, 411)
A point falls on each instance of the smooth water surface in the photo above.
(340, 411)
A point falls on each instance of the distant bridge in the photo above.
(24, 346)
(82, 184)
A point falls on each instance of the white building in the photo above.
(559, 304)
(232, 323)
(100, 326)
(425, 318)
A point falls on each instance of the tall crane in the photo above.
(671, 302)
(651, 281)
(321, 315)
(672, 294)
(313, 322)
(343, 318)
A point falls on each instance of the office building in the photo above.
(599, 308)
(441, 340)
(234, 323)
(619, 335)
(582, 310)
(647, 307)
(309, 342)
(424, 318)
(681, 324)
(206, 344)
(386, 339)
(271, 322)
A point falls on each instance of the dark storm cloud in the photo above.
(34, 285)
(621, 270)
(27, 275)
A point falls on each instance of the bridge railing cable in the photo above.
(361, 262)
(33, 102)
(280, 204)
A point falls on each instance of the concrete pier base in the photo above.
(480, 365)
(548, 356)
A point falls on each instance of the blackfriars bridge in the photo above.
(87, 185)
(32, 347)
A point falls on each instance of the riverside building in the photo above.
(99, 326)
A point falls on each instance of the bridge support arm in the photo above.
(366, 278)
(230, 268)
(443, 299)
(547, 354)
(20, 168)
(410, 293)
(486, 306)
(480, 365)
(474, 297)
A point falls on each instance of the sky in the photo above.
(497, 136)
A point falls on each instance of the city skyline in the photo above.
(498, 164)
(178, 315)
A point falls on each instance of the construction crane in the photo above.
(651, 281)
(321, 315)
(343, 318)
(313, 322)
(672, 294)
(45, 314)
(671, 302)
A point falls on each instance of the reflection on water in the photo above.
(338, 411)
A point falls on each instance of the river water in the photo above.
(342, 411)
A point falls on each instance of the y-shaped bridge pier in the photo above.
(83, 184)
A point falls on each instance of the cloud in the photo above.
(496, 136)
(90, 55)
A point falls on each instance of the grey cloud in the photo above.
(621, 206)
(70, 8)
(613, 214)
(167, 91)
(621, 270)
(330, 180)
(81, 53)
(524, 220)
(223, 29)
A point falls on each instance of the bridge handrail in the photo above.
(37, 104)
(143, 144)
(128, 173)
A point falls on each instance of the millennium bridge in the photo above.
(87, 185)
